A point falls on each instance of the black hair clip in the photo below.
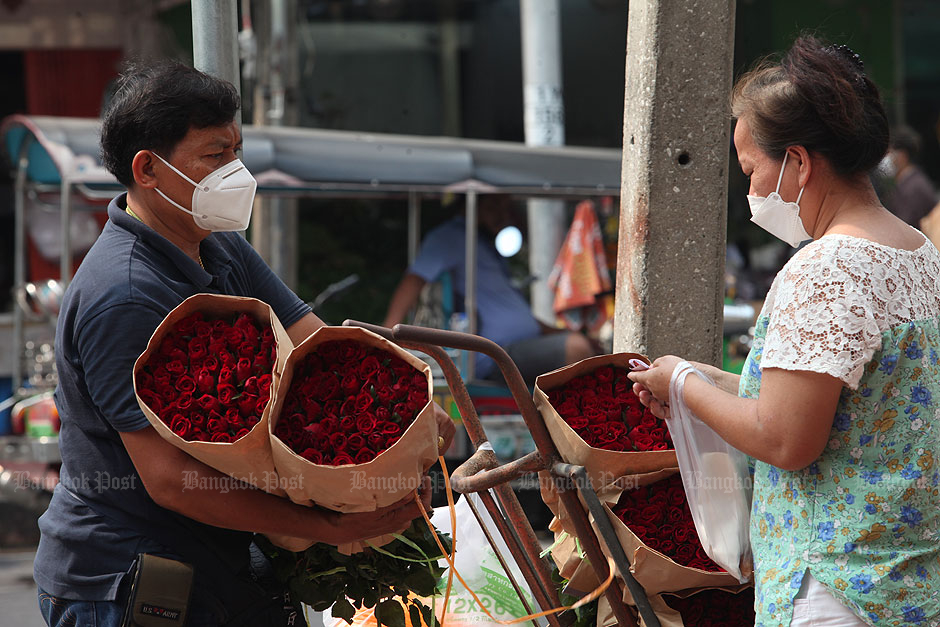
(849, 54)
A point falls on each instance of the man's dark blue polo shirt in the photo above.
(101, 516)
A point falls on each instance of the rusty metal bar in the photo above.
(583, 483)
(499, 556)
(479, 473)
(518, 532)
(540, 436)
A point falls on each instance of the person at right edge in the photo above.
(838, 396)
(909, 194)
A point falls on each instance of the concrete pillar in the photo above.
(544, 117)
(676, 133)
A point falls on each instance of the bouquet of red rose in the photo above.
(206, 379)
(596, 420)
(709, 608)
(659, 516)
(654, 525)
(352, 428)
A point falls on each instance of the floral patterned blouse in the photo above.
(864, 518)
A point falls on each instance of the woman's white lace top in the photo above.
(831, 303)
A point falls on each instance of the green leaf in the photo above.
(414, 614)
(427, 614)
(421, 582)
(343, 609)
(390, 613)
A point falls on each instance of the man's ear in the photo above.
(805, 161)
(142, 167)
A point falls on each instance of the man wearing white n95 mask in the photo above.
(170, 137)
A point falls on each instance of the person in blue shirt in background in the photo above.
(503, 314)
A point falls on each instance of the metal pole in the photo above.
(215, 39)
(544, 117)
(414, 225)
(676, 132)
(470, 288)
(19, 262)
(65, 225)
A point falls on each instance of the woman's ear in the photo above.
(142, 167)
(805, 161)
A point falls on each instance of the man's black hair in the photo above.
(153, 108)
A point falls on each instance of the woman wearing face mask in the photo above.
(838, 396)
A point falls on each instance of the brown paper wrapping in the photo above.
(602, 466)
(388, 478)
(249, 458)
(669, 617)
(657, 572)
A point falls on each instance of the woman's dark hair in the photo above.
(818, 97)
(154, 107)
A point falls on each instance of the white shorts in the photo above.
(814, 606)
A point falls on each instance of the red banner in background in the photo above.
(580, 277)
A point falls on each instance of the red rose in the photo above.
(366, 423)
(348, 407)
(685, 553)
(376, 441)
(338, 441)
(363, 401)
(347, 423)
(203, 329)
(666, 546)
(186, 384)
(209, 403)
(329, 424)
(384, 377)
(604, 374)
(251, 386)
(315, 432)
(389, 429)
(312, 455)
(418, 397)
(355, 442)
(247, 404)
(242, 369)
(619, 445)
(650, 516)
(226, 375)
(350, 351)
(577, 422)
(595, 416)
(369, 368)
(383, 413)
(365, 455)
(186, 325)
(342, 459)
(328, 387)
(264, 384)
(233, 337)
(567, 409)
(633, 416)
(226, 394)
(643, 442)
(220, 437)
(261, 362)
(181, 426)
(150, 398)
(331, 409)
(176, 367)
(198, 421)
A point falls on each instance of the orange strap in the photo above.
(453, 570)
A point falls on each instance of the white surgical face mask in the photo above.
(778, 217)
(222, 201)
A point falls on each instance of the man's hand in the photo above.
(392, 519)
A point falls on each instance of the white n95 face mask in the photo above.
(222, 201)
(778, 217)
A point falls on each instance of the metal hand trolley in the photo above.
(483, 472)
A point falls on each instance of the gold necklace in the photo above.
(136, 217)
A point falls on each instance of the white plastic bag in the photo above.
(477, 564)
(716, 481)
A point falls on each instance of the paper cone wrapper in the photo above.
(393, 475)
(249, 458)
(602, 466)
(656, 572)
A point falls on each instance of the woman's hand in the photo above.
(652, 386)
